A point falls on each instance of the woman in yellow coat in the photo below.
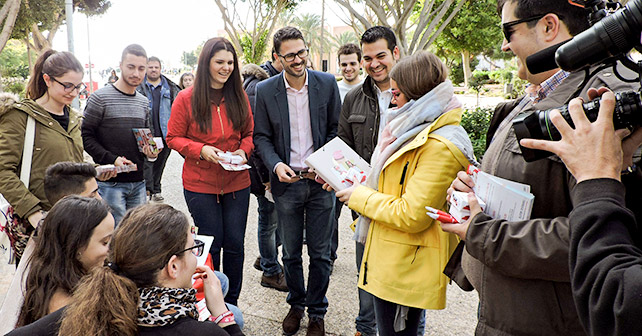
(420, 151)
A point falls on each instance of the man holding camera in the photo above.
(605, 250)
(520, 269)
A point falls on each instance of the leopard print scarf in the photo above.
(160, 306)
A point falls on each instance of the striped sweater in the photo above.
(110, 115)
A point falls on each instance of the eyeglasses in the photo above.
(506, 27)
(69, 87)
(197, 249)
(303, 53)
(396, 93)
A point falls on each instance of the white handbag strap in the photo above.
(27, 151)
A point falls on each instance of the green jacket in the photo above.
(52, 144)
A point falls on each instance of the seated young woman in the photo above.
(145, 288)
(72, 240)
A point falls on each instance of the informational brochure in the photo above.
(232, 162)
(504, 199)
(117, 169)
(145, 137)
(339, 165)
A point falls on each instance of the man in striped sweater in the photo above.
(110, 115)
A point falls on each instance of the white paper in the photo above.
(338, 164)
(504, 199)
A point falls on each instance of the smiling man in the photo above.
(110, 115)
(349, 56)
(296, 114)
(521, 268)
(361, 121)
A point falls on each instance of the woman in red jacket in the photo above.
(210, 118)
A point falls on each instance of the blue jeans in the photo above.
(224, 217)
(268, 236)
(122, 196)
(365, 321)
(304, 204)
(225, 286)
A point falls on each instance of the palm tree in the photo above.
(310, 26)
(345, 38)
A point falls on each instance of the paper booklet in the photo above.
(338, 165)
(117, 169)
(232, 162)
(144, 137)
(504, 199)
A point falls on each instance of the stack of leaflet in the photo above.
(504, 199)
(338, 165)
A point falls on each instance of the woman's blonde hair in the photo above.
(105, 302)
(418, 74)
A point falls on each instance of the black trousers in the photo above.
(385, 312)
(154, 171)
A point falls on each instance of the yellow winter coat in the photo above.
(406, 250)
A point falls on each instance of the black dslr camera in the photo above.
(614, 33)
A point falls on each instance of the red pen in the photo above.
(437, 211)
(442, 218)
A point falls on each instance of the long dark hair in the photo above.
(236, 104)
(54, 264)
(106, 301)
(53, 63)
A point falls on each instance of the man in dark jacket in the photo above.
(259, 175)
(520, 268)
(605, 252)
(160, 91)
(360, 123)
(296, 114)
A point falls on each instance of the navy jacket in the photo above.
(272, 119)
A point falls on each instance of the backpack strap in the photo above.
(27, 151)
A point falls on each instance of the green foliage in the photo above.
(475, 29)
(46, 14)
(310, 26)
(479, 79)
(253, 52)
(13, 60)
(476, 122)
(501, 76)
(14, 85)
(345, 38)
(457, 69)
(189, 58)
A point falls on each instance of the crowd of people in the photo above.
(101, 254)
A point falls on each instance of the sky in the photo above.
(165, 28)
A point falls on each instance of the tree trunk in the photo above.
(465, 62)
(8, 13)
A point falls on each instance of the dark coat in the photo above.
(359, 120)
(272, 126)
(50, 324)
(521, 268)
(252, 75)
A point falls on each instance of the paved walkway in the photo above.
(265, 308)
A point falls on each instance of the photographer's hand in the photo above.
(591, 150)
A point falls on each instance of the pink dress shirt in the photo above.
(301, 143)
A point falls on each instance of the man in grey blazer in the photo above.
(296, 113)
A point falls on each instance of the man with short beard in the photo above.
(296, 113)
(360, 123)
(160, 91)
(110, 115)
(349, 57)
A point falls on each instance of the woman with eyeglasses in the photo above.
(145, 287)
(419, 152)
(55, 82)
(72, 240)
(211, 121)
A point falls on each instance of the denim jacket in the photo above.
(169, 90)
